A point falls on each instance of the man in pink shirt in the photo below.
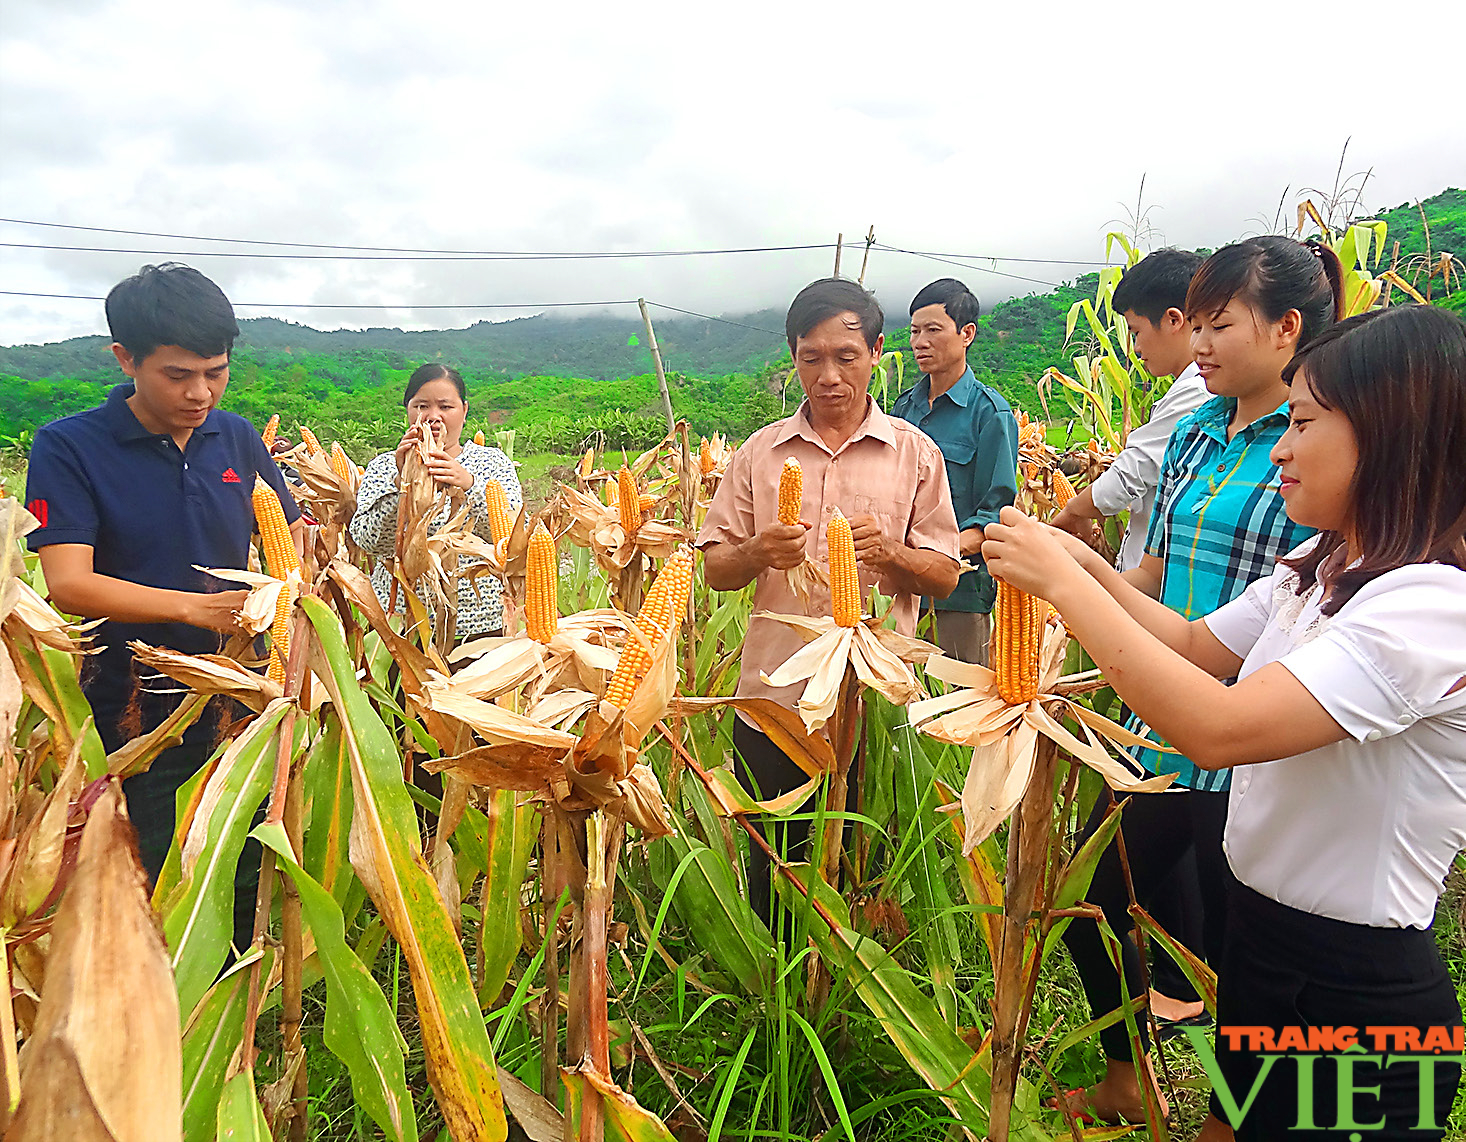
(886, 476)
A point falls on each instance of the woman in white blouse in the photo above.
(1347, 726)
(437, 403)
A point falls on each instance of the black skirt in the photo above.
(1292, 988)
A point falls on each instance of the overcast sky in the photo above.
(1018, 130)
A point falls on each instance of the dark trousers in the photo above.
(1286, 968)
(1159, 830)
(766, 771)
(151, 801)
(1177, 908)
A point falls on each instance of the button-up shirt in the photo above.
(151, 515)
(1219, 525)
(1129, 484)
(887, 469)
(974, 427)
(1362, 830)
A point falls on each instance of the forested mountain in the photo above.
(557, 379)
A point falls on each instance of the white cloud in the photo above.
(1013, 130)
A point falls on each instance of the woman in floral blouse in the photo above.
(437, 403)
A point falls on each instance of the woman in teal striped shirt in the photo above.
(1218, 525)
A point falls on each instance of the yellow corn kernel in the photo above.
(272, 430)
(661, 610)
(312, 445)
(500, 518)
(280, 635)
(791, 491)
(844, 582)
(340, 463)
(278, 547)
(478, 437)
(541, 609)
(1018, 621)
(628, 500)
(1063, 489)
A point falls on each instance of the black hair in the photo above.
(170, 304)
(433, 372)
(1156, 283)
(1273, 274)
(829, 297)
(1399, 375)
(960, 302)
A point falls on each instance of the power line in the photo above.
(407, 255)
(504, 254)
(966, 265)
(489, 305)
(349, 305)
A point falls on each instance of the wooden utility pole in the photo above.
(651, 337)
(839, 246)
(870, 240)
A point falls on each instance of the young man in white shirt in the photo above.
(1152, 299)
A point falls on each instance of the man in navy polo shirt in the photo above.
(132, 496)
(974, 427)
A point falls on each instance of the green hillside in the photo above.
(558, 380)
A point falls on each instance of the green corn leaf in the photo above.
(360, 1029)
(626, 1120)
(198, 915)
(387, 856)
(509, 836)
(326, 780)
(240, 1117)
(210, 1040)
(707, 900)
(909, 1017)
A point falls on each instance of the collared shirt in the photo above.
(151, 514)
(1363, 830)
(1219, 524)
(1129, 483)
(374, 527)
(974, 427)
(887, 469)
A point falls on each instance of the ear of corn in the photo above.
(500, 518)
(272, 430)
(281, 559)
(279, 549)
(340, 464)
(661, 610)
(1018, 620)
(791, 491)
(312, 445)
(280, 635)
(628, 500)
(844, 582)
(478, 437)
(705, 456)
(541, 609)
(587, 463)
(1063, 489)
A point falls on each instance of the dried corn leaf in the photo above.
(104, 1063)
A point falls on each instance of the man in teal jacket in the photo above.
(974, 427)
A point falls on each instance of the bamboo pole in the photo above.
(870, 240)
(651, 336)
(839, 248)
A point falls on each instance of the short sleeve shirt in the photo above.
(974, 427)
(887, 469)
(1366, 829)
(1219, 524)
(151, 515)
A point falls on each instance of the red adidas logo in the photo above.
(230, 476)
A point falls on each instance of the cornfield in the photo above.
(572, 911)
